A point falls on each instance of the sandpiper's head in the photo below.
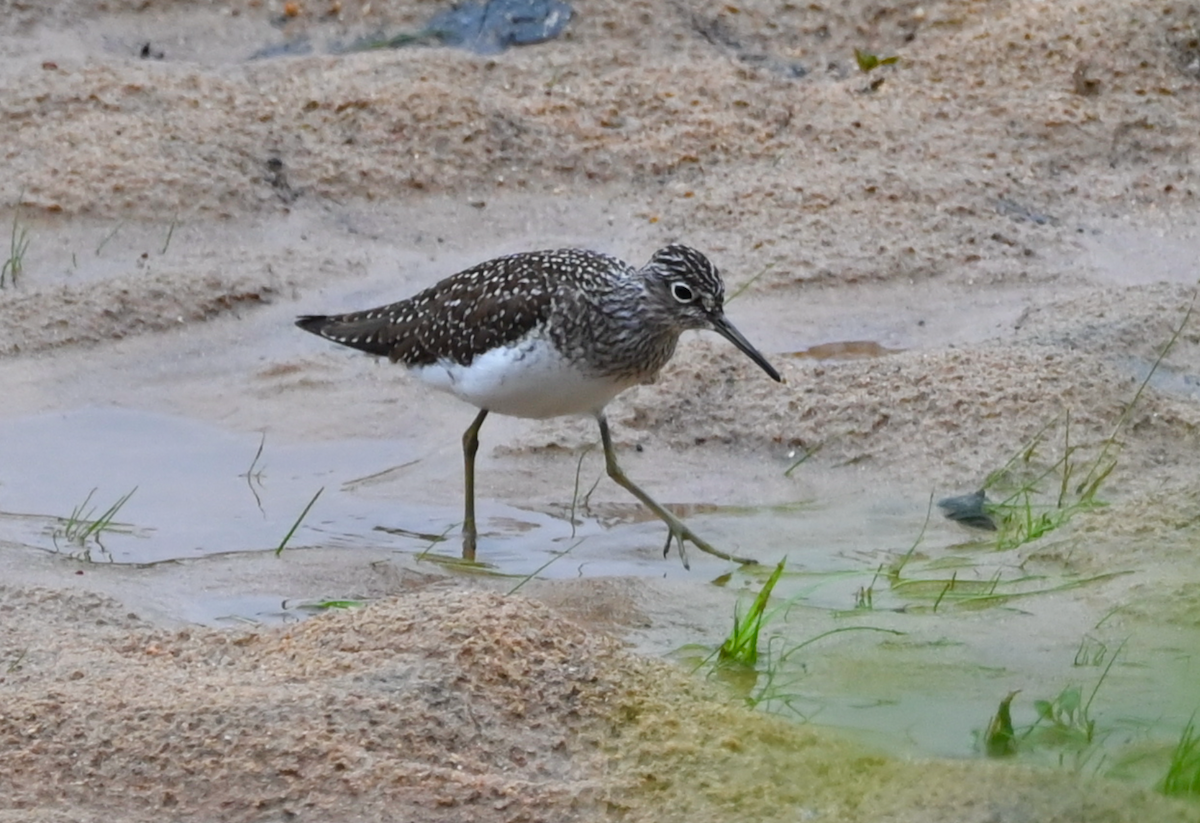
(686, 286)
(688, 290)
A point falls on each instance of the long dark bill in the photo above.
(724, 328)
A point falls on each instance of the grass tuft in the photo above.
(1066, 717)
(741, 647)
(17, 246)
(1038, 493)
(80, 526)
(1029, 511)
(1183, 774)
(1064, 724)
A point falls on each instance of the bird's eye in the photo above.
(682, 292)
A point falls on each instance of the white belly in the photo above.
(529, 379)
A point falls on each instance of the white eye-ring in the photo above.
(682, 292)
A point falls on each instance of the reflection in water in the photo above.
(844, 350)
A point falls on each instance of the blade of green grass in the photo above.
(540, 568)
(299, 520)
(741, 646)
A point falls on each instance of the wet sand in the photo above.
(1004, 220)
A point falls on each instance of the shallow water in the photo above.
(919, 670)
(197, 489)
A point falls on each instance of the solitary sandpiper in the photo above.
(548, 333)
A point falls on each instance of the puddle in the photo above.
(195, 489)
(936, 696)
(913, 670)
(919, 667)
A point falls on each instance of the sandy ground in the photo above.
(1010, 209)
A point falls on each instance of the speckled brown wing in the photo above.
(469, 313)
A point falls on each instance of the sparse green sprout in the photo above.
(741, 647)
(1000, 740)
(299, 520)
(326, 604)
(771, 685)
(1183, 774)
(1066, 715)
(14, 665)
(807, 454)
(1022, 520)
(868, 61)
(575, 494)
(1091, 652)
(1105, 463)
(738, 291)
(864, 598)
(964, 592)
(254, 475)
(80, 526)
(170, 232)
(543, 567)
(17, 246)
(1028, 509)
(1066, 721)
(434, 539)
(1033, 494)
(109, 236)
(949, 586)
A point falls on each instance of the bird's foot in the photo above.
(677, 533)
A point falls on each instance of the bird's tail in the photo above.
(357, 331)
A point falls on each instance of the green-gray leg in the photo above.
(470, 447)
(676, 530)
